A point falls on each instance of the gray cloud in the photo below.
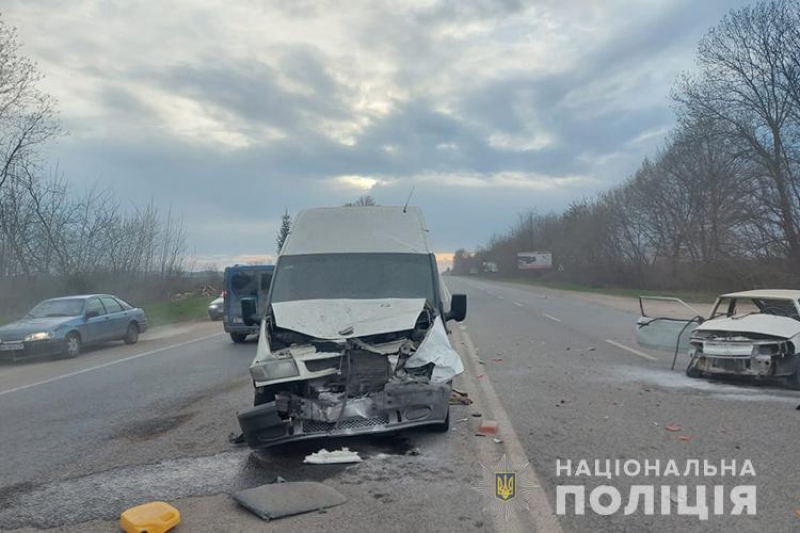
(232, 114)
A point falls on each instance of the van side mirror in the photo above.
(249, 311)
(458, 308)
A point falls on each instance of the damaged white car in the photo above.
(751, 333)
(353, 340)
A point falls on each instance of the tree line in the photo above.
(53, 240)
(719, 205)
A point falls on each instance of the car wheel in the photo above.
(132, 335)
(444, 426)
(72, 345)
(794, 380)
(691, 370)
(238, 337)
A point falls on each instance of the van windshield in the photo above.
(354, 276)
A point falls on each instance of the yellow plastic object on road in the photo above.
(153, 517)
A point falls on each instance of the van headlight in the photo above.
(272, 369)
(40, 336)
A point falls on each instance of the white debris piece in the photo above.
(324, 457)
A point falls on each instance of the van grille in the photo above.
(315, 426)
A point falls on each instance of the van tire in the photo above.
(794, 380)
(443, 427)
(238, 338)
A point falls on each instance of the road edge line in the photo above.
(540, 511)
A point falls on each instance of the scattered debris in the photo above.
(568, 348)
(498, 359)
(277, 500)
(462, 419)
(481, 376)
(481, 362)
(458, 397)
(279, 479)
(487, 427)
(592, 349)
(798, 407)
(324, 457)
(477, 414)
(497, 441)
(413, 452)
(153, 517)
(797, 512)
(673, 427)
(233, 438)
(685, 437)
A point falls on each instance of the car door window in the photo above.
(111, 305)
(94, 304)
(125, 305)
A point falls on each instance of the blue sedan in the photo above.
(63, 326)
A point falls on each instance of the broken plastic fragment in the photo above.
(459, 398)
(324, 457)
(436, 349)
(673, 427)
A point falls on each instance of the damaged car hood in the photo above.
(344, 318)
(777, 326)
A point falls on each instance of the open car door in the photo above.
(667, 325)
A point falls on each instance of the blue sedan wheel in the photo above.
(132, 335)
(72, 345)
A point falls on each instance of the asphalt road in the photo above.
(84, 439)
(572, 394)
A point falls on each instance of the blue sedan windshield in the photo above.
(69, 307)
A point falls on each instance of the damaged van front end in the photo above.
(341, 367)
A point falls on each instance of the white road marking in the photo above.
(631, 350)
(539, 514)
(519, 304)
(447, 295)
(105, 365)
(551, 317)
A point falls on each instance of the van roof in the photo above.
(372, 229)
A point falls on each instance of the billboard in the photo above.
(534, 260)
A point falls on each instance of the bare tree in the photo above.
(26, 113)
(283, 231)
(362, 201)
(744, 83)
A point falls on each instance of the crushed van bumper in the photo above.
(396, 408)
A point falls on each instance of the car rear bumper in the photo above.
(262, 425)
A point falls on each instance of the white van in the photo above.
(353, 338)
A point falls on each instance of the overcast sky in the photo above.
(232, 111)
